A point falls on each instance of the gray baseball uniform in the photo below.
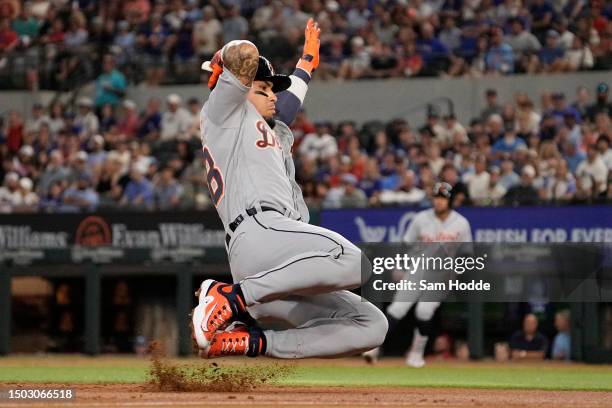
(288, 270)
(426, 227)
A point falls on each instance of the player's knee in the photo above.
(350, 268)
(375, 327)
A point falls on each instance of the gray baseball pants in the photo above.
(299, 274)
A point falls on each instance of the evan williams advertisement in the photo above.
(120, 230)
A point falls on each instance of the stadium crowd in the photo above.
(516, 152)
(60, 44)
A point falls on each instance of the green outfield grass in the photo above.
(348, 372)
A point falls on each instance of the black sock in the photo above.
(257, 342)
(425, 327)
(393, 323)
(240, 296)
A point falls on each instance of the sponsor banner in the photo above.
(159, 231)
(522, 224)
(487, 272)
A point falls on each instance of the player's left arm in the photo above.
(290, 100)
(466, 232)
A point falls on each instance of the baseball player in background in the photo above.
(283, 268)
(438, 224)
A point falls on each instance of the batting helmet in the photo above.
(443, 189)
(265, 72)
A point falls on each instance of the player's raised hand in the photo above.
(310, 57)
(215, 67)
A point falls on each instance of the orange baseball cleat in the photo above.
(242, 341)
(219, 305)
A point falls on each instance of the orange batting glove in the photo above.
(215, 67)
(310, 57)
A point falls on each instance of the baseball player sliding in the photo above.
(283, 268)
(438, 224)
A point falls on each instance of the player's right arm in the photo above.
(238, 61)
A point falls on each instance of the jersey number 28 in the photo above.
(213, 174)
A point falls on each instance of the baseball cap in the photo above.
(602, 87)
(349, 179)
(173, 99)
(85, 101)
(552, 33)
(129, 104)
(26, 183)
(81, 155)
(12, 176)
(26, 150)
(529, 170)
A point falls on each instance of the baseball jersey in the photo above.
(244, 158)
(426, 227)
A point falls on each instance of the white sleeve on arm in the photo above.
(413, 230)
(227, 101)
(466, 232)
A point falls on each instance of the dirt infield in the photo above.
(123, 395)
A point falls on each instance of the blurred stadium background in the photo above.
(106, 221)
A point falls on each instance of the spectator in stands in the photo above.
(28, 201)
(560, 187)
(542, 14)
(459, 194)
(167, 191)
(578, 57)
(194, 108)
(128, 122)
(320, 145)
(591, 175)
(500, 56)
(523, 193)
(81, 197)
(407, 193)
(9, 40)
(604, 150)
(528, 343)
(601, 103)
(176, 121)
(550, 56)
(207, 34)
(478, 183)
(54, 173)
(235, 27)
(492, 105)
(494, 191)
(138, 194)
(582, 101)
(110, 85)
(434, 53)
(150, 122)
(561, 347)
(38, 118)
(524, 44)
(450, 35)
(52, 201)
(86, 120)
(508, 143)
(358, 63)
(10, 196)
(352, 196)
(14, 131)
